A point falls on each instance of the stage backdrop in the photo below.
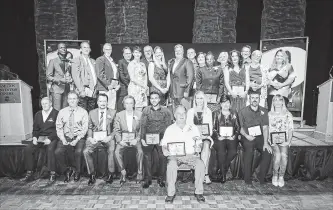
(298, 50)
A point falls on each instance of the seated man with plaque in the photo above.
(253, 120)
(100, 134)
(225, 134)
(155, 119)
(181, 144)
(44, 133)
(127, 134)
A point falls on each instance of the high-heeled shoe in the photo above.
(122, 179)
(139, 178)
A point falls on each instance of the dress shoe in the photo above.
(92, 180)
(161, 183)
(207, 179)
(77, 176)
(200, 198)
(146, 184)
(169, 199)
(223, 178)
(68, 175)
(28, 177)
(139, 178)
(109, 179)
(52, 178)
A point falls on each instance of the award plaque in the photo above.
(99, 135)
(211, 98)
(152, 138)
(255, 130)
(226, 131)
(238, 89)
(278, 137)
(177, 148)
(204, 129)
(127, 137)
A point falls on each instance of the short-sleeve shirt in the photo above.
(249, 118)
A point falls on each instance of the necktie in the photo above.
(101, 121)
(71, 124)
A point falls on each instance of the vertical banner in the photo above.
(297, 52)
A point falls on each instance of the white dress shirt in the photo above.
(46, 114)
(104, 118)
(129, 121)
(114, 67)
(92, 69)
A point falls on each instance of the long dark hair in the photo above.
(240, 60)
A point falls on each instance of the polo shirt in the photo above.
(248, 117)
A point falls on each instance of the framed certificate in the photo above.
(114, 83)
(255, 130)
(127, 137)
(99, 135)
(211, 98)
(204, 129)
(177, 148)
(152, 138)
(238, 89)
(227, 131)
(278, 137)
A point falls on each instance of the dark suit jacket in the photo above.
(120, 124)
(47, 128)
(54, 73)
(104, 72)
(182, 78)
(124, 78)
(94, 121)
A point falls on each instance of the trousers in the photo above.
(147, 161)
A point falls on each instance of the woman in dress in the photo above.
(210, 80)
(138, 80)
(158, 73)
(280, 120)
(281, 75)
(225, 146)
(258, 77)
(237, 81)
(198, 115)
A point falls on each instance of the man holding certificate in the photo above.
(155, 119)
(181, 144)
(127, 134)
(100, 134)
(254, 129)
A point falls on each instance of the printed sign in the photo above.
(10, 93)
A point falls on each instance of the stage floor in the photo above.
(233, 194)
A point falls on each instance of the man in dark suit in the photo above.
(56, 76)
(44, 133)
(124, 78)
(182, 78)
(85, 77)
(107, 75)
(100, 122)
(128, 122)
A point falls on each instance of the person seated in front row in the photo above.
(100, 134)
(181, 144)
(226, 130)
(127, 134)
(72, 127)
(44, 133)
(155, 119)
(198, 115)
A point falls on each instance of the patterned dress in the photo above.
(138, 71)
(280, 123)
(160, 75)
(237, 79)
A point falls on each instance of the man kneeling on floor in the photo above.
(181, 144)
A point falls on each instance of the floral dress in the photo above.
(137, 71)
(280, 123)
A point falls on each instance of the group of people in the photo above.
(149, 104)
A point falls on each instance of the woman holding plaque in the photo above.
(201, 116)
(159, 76)
(225, 134)
(236, 81)
(280, 135)
(138, 80)
(210, 80)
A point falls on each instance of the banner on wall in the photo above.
(297, 56)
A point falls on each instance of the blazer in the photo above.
(47, 128)
(82, 75)
(182, 78)
(94, 121)
(54, 73)
(105, 72)
(220, 120)
(124, 78)
(120, 124)
(207, 118)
